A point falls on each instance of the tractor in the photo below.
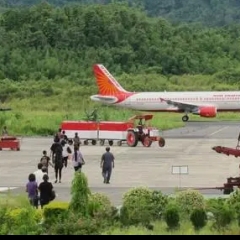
(143, 132)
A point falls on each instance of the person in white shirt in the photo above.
(66, 152)
(39, 174)
(77, 159)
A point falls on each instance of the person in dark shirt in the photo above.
(46, 190)
(45, 160)
(57, 153)
(107, 164)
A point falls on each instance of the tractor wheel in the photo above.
(161, 142)
(102, 141)
(132, 139)
(85, 142)
(110, 142)
(94, 142)
(119, 143)
(147, 142)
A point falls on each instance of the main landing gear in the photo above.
(185, 118)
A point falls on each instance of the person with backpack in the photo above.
(45, 160)
(57, 156)
(77, 159)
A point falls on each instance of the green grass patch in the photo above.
(160, 228)
(39, 107)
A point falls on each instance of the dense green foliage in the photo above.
(17, 217)
(45, 42)
(209, 12)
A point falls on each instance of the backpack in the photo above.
(44, 161)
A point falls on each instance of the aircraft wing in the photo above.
(182, 106)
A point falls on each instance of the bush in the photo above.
(100, 206)
(213, 203)
(234, 199)
(80, 195)
(55, 211)
(137, 206)
(172, 216)
(190, 199)
(198, 218)
(15, 214)
(73, 225)
(158, 203)
(23, 221)
(224, 215)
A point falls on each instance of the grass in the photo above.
(39, 107)
(186, 228)
(29, 122)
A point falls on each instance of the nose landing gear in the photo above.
(185, 118)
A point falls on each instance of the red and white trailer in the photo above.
(97, 131)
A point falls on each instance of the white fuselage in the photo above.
(152, 101)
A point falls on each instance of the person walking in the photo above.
(76, 140)
(45, 160)
(77, 159)
(57, 156)
(32, 190)
(107, 164)
(66, 152)
(46, 191)
(39, 174)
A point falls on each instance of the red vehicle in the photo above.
(143, 132)
(97, 131)
(103, 131)
(9, 143)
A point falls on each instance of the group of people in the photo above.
(63, 149)
(39, 188)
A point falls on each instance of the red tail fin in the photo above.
(107, 84)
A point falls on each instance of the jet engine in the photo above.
(208, 112)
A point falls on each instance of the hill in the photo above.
(207, 12)
(47, 53)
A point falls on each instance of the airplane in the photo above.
(204, 104)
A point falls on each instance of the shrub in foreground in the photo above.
(142, 205)
(223, 216)
(100, 206)
(190, 199)
(198, 218)
(172, 216)
(55, 212)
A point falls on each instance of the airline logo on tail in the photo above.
(109, 90)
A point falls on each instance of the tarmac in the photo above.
(187, 149)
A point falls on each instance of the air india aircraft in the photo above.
(204, 104)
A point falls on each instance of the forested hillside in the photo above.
(208, 12)
(44, 42)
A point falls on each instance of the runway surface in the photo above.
(189, 146)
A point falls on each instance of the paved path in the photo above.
(152, 167)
